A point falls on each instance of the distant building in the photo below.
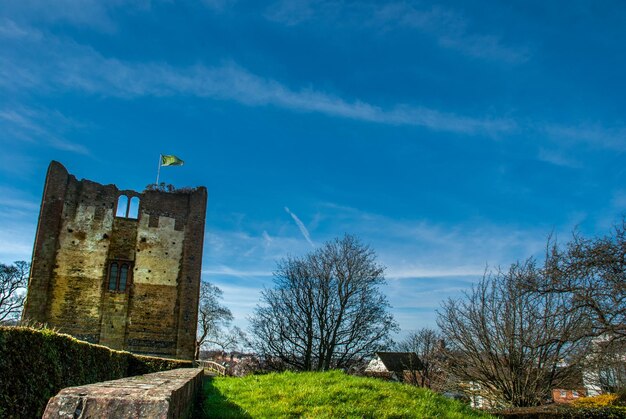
(606, 366)
(118, 267)
(396, 366)
(570, 389)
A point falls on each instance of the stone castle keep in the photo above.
(118, 267)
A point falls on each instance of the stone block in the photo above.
(168, 394)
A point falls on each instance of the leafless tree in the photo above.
(326, 309)
(428, 345)
(591, 274)
(13, 281)
(231, 338)
(213, 317)
(509, 342)
(605, 365)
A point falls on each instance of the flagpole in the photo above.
(158, 170)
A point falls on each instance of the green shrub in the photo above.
(35, 364)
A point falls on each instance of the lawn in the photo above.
(324, 395)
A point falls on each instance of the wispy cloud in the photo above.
(16, 242)
(11, 30)
(449, 28)
(267, 238)
(38, 126)
(249, 252)
(94, 14)
(240, 300)
(14, 200)
(62, 65)
(412, 271)
(426, 262)
(224, 270)
(557, 158)
(596, 134)
(18, 215)
(423, 248)
(301, 226)
(291, 12)
(219, 5)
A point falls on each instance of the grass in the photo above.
(324, 395)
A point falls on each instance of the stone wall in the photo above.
(168, 394)
(79, 236)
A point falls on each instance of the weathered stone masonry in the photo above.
(82, 247)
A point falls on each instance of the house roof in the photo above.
(400, 361)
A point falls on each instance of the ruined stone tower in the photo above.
(118, 267)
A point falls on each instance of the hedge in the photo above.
(562, 411)
(35, 364)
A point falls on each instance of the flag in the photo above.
(171, 160)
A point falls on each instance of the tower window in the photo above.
(122, 206)
(119, 272)
(127, 207)
(133, 207)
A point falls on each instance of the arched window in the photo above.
(122, 206)
(123, 277)
(113, 276)
(133, 208)
(127, 207)
(119, 272)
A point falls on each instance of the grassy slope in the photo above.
(325, 395)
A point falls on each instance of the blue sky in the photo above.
(448, 136)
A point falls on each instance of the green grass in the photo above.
(324, 395)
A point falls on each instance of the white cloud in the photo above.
(18, 218)
(291, 12)
(240, 300)
(11, 30)
(250, 253)
(596, 134)
(450, 29)
(11, 199)
(421, 248)
(411, 271)
(16, 242)
(219, 5)
(63, 65)
(223, 270)
(426, 262)
(301, 226)
(94, 14)
(557, 158)
(267, 239)
(38, 126)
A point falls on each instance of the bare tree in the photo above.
(213, 317)
(605, 365)
(229, 339)
(591, 273)
(428, 345)
(509, 342)
(326, 309)
(13, 281)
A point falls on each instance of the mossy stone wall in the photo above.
(36, 364)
